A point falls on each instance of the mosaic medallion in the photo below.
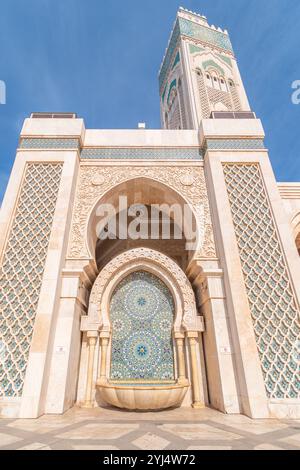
(142, 315)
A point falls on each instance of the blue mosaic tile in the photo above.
(157, 153)
(205, 34)
(142, 315)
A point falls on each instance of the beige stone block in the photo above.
(40, 338)
(94, 447)
(7, 439)
(35, 446)
(194, 431)
(44, 128)
(96, 431)
(209, 448)
(151, 441)
(140, 138)
(231, 128)
(292, 440)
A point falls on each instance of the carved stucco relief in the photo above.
(88, 193)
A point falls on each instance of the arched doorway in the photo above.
(142, 317)
(163, 206)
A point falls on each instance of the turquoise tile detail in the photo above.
(164, 93)
(169, 54)
(235, 144)
(173, 85)
(142, 315)
(157, 153)
(194, 49)
(205, 34)
(225, 59)
(196, 31)
(46, 144)
(176, 61)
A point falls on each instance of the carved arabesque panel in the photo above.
(108, 177)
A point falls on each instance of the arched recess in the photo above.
(156, 263)
(148, 192)
(186, 323)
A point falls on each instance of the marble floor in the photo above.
(180, 429)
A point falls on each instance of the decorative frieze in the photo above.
(49, 143)
(188, 153)
(190, 182)
(234, 144)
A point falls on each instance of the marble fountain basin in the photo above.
(143, 397)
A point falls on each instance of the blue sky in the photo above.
(101, 58)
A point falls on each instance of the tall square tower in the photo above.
(199, 74)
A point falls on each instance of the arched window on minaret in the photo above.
(208, 79)
(223, 84)
(215, 81)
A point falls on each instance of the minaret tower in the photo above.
(199, 74)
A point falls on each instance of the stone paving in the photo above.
(180, 429)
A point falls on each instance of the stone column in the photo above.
(197, 403)
(219, 352)
(92, 340)
(179, 338)
(104, 338)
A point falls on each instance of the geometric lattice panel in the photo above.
(274, 310)
(142, 315)
(22, 270)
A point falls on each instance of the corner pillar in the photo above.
(198, 401)
(179, 338)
